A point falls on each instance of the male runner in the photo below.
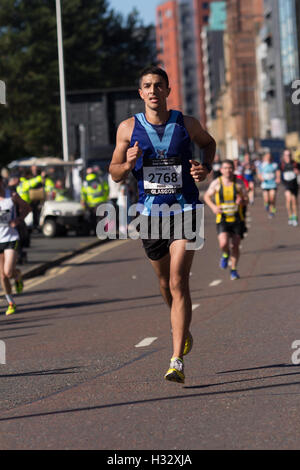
(289, 172)
(9, 238)
(156, 147)
(230, 196)
(269, 175)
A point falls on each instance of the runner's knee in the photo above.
(178, 284)
(8, 273)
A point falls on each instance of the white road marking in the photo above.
(146, 342)
(215, 283)
(194, 306)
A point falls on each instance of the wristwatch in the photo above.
(207, 166)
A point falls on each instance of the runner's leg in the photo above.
(266, 199)
(224, 238)
(162, 270)
(5, 283)
(235, 250)
(272, 199)
(181, 311)
(288, 199)
(294, 204)
(10, 261)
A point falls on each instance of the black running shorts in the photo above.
(158, 247)
(233, 228)
(9, 246)
(293, 188)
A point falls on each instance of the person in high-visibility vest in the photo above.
(60, 193)
(94, 191)
(23, 189)
(49, 185)
(36, 182)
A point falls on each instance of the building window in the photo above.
(168, 14)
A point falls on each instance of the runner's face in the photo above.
(287, 156)
(227, 170)
(154, 91)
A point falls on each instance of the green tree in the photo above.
(101, 49)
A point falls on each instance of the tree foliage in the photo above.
(101, 49)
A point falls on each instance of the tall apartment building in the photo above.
(179, 24)
(270, 83)
(243, 21)
(289, 25)
(213, 58)
(168, 46)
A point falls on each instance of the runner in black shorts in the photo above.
(230, 195)
(157, 147)
(9, 239)
(289, 173)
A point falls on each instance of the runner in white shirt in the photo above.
(10, 205)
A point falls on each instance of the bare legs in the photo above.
(173, 272)
(233, 249)
(8, 269)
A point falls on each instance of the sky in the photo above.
(146, 8)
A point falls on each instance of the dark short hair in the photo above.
(154, 70)
(229, 162)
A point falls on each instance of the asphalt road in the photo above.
(76, 376)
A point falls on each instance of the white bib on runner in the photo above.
(7, 233)
(269, 176)
(162, 175)
(289, 175)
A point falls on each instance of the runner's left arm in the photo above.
(242, 197)
(205, 142)
(278, 176)
(24, 209)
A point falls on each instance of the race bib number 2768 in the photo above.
(162, 175)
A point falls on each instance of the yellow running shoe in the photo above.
(188, 344)
(11, 309)
(176, 371)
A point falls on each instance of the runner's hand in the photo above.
(198, 172)
(133, 153)
(14, 223)
(217, 210)
(239, 200)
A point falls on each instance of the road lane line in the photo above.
(146, 342)
(215, 283)
(194, 306)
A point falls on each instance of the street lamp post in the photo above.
(2, 92)
(62, 82)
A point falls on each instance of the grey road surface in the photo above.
(88, 348)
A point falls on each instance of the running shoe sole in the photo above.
(174, 375)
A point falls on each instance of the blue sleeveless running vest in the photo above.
(163, 170)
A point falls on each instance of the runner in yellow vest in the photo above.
(230, 195)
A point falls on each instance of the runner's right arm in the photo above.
(209, 194)
(124, 157)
